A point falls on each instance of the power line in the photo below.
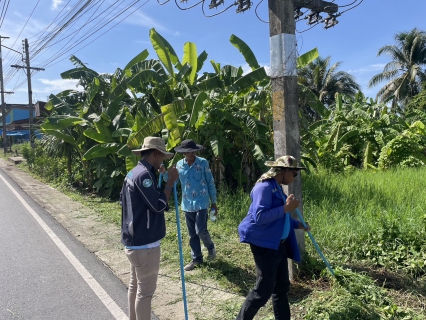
(216, 14)
(255, 11)
(24, 26)
(73, 34)
(3, 15)
(194, 5)
(79, 41)
(51, 64)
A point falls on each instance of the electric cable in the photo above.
(216, 14)
(194, 5)
(84, 37)
(63, 27)
(56, 62)
(62, 22)
(361, 1)
(255, 11)
(73, 34)
(309, 28)
(23, 27)
(53, 21)
(4, 15)
(59, 54)
(62, 18)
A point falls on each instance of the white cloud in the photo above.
(143, 42)
(141, 19)
(13, 25)
(56, 4)
(368, 69)
(54, 86)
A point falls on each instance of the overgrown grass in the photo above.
(365, 216)
(363, 220)
(375, 219)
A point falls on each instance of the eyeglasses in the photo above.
(294, 173)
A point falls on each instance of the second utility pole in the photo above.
(283, 74)
(30, 92)
(3, 107)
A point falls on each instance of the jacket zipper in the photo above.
(147, 218)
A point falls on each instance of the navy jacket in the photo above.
(142, 207)
(264, 224)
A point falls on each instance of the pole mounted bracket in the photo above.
(317, 5)
(243, 5)
(216, 3)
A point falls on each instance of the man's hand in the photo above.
(173, 174)
(162, 169)
(291, 203)
(214, 206)
(308, 227)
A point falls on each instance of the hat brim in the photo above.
(274, 165)
(185, 150)
(167, 155)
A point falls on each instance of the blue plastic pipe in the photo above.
(314, 242)
(182, 272)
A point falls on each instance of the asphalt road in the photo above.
(45, 273)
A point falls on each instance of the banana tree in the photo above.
(354, 133)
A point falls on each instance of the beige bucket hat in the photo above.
(284, 162)
(276, 166)
(154, 143)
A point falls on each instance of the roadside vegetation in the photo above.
(370, 225)
(363, 192)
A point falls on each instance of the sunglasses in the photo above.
(294, 172)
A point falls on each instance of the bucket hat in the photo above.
(276, 166)
(284, 162)
(188, 146)
(154, 143)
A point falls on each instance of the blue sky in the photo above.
(354, 41)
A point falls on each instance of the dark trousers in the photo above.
(271, 280)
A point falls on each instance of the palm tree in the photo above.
(324, 81)
(404, 72)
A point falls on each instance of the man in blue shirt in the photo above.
(198, 189)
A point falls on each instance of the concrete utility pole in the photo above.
(284, 93)
(30, 92)
(283, 74)
(3, 106)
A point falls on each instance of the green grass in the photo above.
(371, 225)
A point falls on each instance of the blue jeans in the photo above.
(197, 229)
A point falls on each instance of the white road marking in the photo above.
(93, 284)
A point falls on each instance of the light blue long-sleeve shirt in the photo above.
(197, 184)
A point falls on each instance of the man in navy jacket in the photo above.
(143, 225)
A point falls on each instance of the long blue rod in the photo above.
(182, 272)
(314, 242)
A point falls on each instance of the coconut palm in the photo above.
(324, 81)
(404, 72)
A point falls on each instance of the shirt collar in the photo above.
(195, 161)
(147, 165)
